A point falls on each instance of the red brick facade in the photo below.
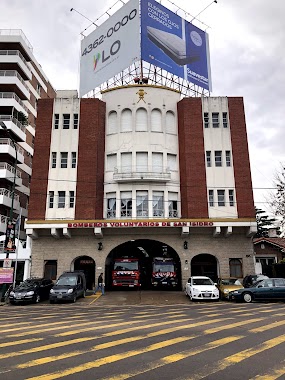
(192, 159)
(39, 182)
(243, 183)
(90, 169)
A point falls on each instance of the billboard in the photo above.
(10, 244)
(174, 44)
(111, 48)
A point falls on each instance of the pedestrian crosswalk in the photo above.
(199, 341)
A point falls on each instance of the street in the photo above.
(93, 340)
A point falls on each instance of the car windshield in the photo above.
(28, 284)
(230, 281)
(66, 281)
(202, 281)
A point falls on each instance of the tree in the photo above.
(264, 223)
(278, 199)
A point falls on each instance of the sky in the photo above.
(247, 41)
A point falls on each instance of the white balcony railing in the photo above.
(16, 32)
(7, 193)
(125, 174)
(9, 142)
(14, 73)
(13, 52)
(12, 95)
(10, 168)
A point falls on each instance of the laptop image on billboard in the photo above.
(171, 45)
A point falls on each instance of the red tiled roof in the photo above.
(280, 242)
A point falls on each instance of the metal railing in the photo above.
(10, 168)
(15, 52)
(9, 194)
(144, 173)
(12, 95)
(20, 150)
(14, 73)
(16, 32)
(14, 120)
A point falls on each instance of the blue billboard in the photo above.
(174, 44)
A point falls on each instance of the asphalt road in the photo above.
(101, 338)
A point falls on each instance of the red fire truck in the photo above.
(164, 273)
(126, 272)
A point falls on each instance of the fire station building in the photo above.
(141, 172)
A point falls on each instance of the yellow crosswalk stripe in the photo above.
(114, 343)
(23, 341)
(267, 327)
(237, 324)
(109, 359)
(237, 358)
(273, 374)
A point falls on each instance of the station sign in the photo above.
(139, 224)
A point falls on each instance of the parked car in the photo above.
(201, 288)
(31, 290)
(267, 289)
(69, 287)
(226, 285)
(252, 279)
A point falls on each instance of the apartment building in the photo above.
(141, 173)
(22, 83)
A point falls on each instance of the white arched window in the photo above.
(156, 120)
(126, 120)
(141, 120)
(170, 122)
(112, 122)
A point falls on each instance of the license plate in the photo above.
(207, 295)
(164, 283)
(59, 296)
(131, 286)
(18, 298)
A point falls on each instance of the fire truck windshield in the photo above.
(126, 265)
(163, 267)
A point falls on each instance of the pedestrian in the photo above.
(100, 285)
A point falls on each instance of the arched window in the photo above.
(126, 120)
(236, 268)
(170, 124)
(156, 120)
(141, 120)
(112, 122)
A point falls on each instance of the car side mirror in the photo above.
(215, 283)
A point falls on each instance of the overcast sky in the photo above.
(247, 42)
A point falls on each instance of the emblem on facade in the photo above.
(141, 93)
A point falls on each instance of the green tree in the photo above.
(277, 201)
(264, 223)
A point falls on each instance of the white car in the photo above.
(201, 288)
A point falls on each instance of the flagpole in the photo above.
(17, 247)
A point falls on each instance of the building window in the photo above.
(50, 269)
(208, 158)
(75, 120)
(56, 121)
(112, 122)
(228, 158)
(158, 204)
(142, 204)
(111, 205)
(73, 160)
(236, 268)
(171, 162)
(126, 204)
(170, 123)
(71, 199)
(218, 158)
(111, 162)
(63, 160)
(51, 199)
(206, 119)
(53, 161)
(221, 197)
(231, 198)
(66, 120)
(141, 120)
(211, 198)
(215, 119)
(172, 205)
(126, 120)
(156, 120)
(225, 119)
(61, 199)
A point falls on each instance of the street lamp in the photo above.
(3, 125)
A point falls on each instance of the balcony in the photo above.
(15, 59)
(7, 147)
(6, 199)
(143, 174)
(14, 126)
(3, 224)
(7, 172)
(10, 100)
(11, 80)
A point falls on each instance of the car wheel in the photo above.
(190, 296)
(84, 294)
(38, 298)
(74, 298)
(247, 297)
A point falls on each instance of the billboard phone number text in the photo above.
(110, 32)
